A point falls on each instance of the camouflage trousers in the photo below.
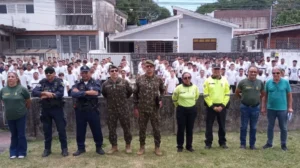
(112, 121)
(154, 118)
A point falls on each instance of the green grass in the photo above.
(216, 157)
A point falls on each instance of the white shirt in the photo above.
(231, 76)
(96, 75)
(23, 80)
(199, 83)
(262, 77)
(28, 74)
(294, 73)
(207, 72)
(33, 83)
(263, 68)
(66, 83)
(239, 78)
(106, 66)
(1, 79)
(171, 83)
(60, 70)
(71, 78)
(104, 74)
(194, 77)
(179, 70)
(166, 74)
(141, 71)
(127, 69)
(42, 76)
(284, 66)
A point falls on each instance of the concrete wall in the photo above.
(288, 55)
(195, 28)
(168, 120)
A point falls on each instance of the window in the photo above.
(3, 9)
(205, 44)
(21, 8)
(253, 44)
(159, 46)
(11, 8)
(29, 9)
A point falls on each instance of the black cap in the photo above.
(216, 66)
(112, 67)
(49, 70)
(84, 69)
(295, 61)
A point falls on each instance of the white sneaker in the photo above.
(13, 157)
(21, 157)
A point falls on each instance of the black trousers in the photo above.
(210, 118)
(56, 114)
(186, 117)
(93, 119)
(293, 82)
(232, 87)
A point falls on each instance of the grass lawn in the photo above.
(201, 158)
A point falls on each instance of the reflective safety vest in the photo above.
(216, 91)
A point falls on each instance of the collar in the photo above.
(216, 77)
(187, 85)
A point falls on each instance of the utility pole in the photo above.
(270, 27)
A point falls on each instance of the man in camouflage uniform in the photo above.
(117, 90)
(147, 100)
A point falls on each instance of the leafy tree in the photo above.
(287, 17)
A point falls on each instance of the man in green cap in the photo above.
(147, 101)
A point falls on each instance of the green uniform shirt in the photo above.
(14, 101)
(185, 96)
(251, 91)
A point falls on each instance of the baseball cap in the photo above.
(112, 67)
(84, 69)
(49, 70)
(216, 66)
(150, 62)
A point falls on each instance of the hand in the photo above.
(75, 90)
(160, 104)
(44, 97)
(136, 112)
(48, 95)
(92, 93)
(290, 110)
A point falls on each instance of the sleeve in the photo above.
(25, 93)
(206, 95)
(128, 89)
(175, 96)
(166, 82)
(226, 94)
(136, 92)
(288, 90)
(37, 91)
(97, 88)
(77, 94)
(59, 93)
(104, 93)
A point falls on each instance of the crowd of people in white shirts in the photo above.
(233, 70)
(31, 71)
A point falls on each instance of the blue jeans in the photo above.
(282, 120)
(248, 114)
(18, 144)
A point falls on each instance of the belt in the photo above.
(250, 105)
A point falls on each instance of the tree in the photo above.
(142, 9)
(287, 17)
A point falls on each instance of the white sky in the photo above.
(187, 4)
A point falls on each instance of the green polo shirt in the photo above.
(250, 91)
(277, 94)
(14, 101)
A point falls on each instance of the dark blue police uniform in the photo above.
(52, 109)
(86, 112)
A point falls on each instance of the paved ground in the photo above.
(4, 141)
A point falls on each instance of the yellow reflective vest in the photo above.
(216, 91)
(185, 96)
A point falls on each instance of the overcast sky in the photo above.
(187, 4)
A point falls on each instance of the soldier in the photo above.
(87, 91)
(147, 100)
(117, 90)
(51, 91)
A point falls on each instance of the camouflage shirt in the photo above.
(148, 93)
(116, 93)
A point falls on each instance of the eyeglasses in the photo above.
(49, 73)
(186, 78)
(149, 66)
(277, 73)
(114, 71)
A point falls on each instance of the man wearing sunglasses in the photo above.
(87, 91)
(216, 94)
(278, 102)
(116, 91)
(148, 100)
(51, 91)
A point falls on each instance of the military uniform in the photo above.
(86, 112)
(147, 94)
(117, 94)
(52, 109)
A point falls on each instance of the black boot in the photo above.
(100, 151)
(46, 153)
(65, 152)
(79, 152)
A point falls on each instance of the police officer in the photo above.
(87, 91)
(147, 100)
(216, 95)
(51, 91)
(117, 90)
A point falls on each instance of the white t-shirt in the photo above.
(33, 83)
(179, 70)
(263, 68)
(4, 77)
(171, 83)
(42, 76)
(23, 80)
(141, 71)
(127, 69)
(262, 77)
(194, 77)
(1, 79)
(231, 76)
(71, 78)
(96, 75)
(207, 72)
(66, 83)
(239, 78)
(199, 82)
(104, 74)
(294, 73)
(29, 75)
